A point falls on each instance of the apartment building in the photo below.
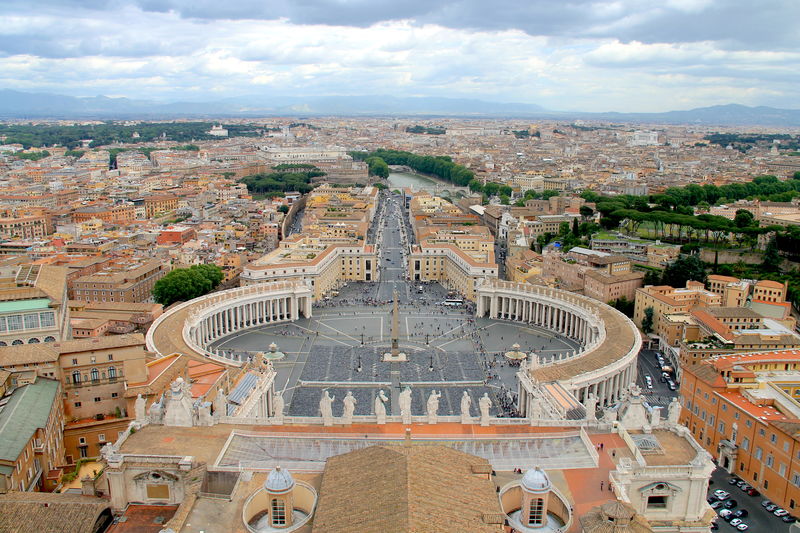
(23, 227)
(130, 281)
(33, 306)
(599, 275)
(743, 409)
(116, 214)
(31, 437)
(652, 253)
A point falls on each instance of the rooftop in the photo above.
(26, 410)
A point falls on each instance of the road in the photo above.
(648, 366)
(392, 240)
(758, 518)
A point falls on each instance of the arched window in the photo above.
(33, 340)
(49, 338)
(278, 512)
(536, 516)
(76, 377)
(95, 375)
(16, 342)
(112, 373)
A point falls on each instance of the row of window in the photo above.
(46, 319)
(98, 399)
(93, 376)
(32, 340)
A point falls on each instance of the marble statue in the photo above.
(405, 405)
(485, 404)
(107, 451)
(179, 409)
(674, 411)
(380, 408)
(326, 408)
(156, 412)
(349, 407)
(204, 417)
(466, 402)
(140, 408)
(655, 416)
(590, 403)
(433, 406)
(277, 408)
(220, 403)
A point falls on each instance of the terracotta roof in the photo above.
(46, 512)
(416, 488)
(28, 353)
(99, 343)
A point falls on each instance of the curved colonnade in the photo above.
(604, 366)
(190, 327)
(610, 342)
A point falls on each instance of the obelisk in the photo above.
(394, 358)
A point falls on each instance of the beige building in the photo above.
(33, 306)
(127, 282)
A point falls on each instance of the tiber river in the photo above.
(397, 180)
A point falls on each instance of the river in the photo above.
(398, 180)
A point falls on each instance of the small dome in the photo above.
(279, 481)
(535, 480)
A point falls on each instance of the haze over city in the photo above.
(625, 55)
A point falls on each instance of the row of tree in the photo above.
(294, 178)
(183, 284)
(441, 166)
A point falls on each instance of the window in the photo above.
(77, 404)
(762, 432)
(76, 377)
(111, 357)
(724, 407)
(656, 502)
(773, 438)
(101, 437)
(278, 512)
(97, 399)
(81, 440)
(722, 427)
(748, 423)
(745, 444)
(74, 361)
(47, 319)
(112, 373)
(759, 453)
(114, 395)
(770, 460)
(95, 375)
(782, 470)
(31, 321)
(766, 484)
(14, 322)
(536, 514)
(786, 446)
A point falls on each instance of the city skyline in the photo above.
(586, 56)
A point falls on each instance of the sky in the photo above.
(587, 55)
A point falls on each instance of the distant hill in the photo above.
(21, 105)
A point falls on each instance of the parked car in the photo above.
(725, 514)
(764, 503)
(730, 504)
(734, 480)
(789, 519)
(671, 385)
(716, 504)
(714, 526)
(735, 522)
(742, 527)
(771, 507)
(712, 499)
(780, 512)
(741, 484)
(723, 495)
(753, 492)
(740, 513)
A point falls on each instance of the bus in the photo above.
(454, 302)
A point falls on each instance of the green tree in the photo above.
(575, 229)
(623, 305)
(772, 259)
(283, 208)
(586, 212)
(647, 321)
(743, 218)
(377, 167)
(183, 284)
(683, 269)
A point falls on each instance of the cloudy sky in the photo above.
(591, 55)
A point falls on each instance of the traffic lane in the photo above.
(758, 518)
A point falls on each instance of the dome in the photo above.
(535, 480)
(279, 481)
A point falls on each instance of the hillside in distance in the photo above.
(24, 105)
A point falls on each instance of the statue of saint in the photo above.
(140, 408)
(590, 404)
(466, 402)
(485, 403)
(349, 407)
(674, 411)
(380, 408)
(433, 406)
(326, 408)
(277, 408)
(405, 405)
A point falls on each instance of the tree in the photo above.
(575, 229)
(652, 277)
(377, 167)
(683, 269)
(586, 212)
(743, 218)
(623, 305)
(647, 321)
(184, 284)
(283, 208)
(772, 259)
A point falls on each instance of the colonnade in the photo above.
(575, 317)
(246, 314)
(563, 320)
